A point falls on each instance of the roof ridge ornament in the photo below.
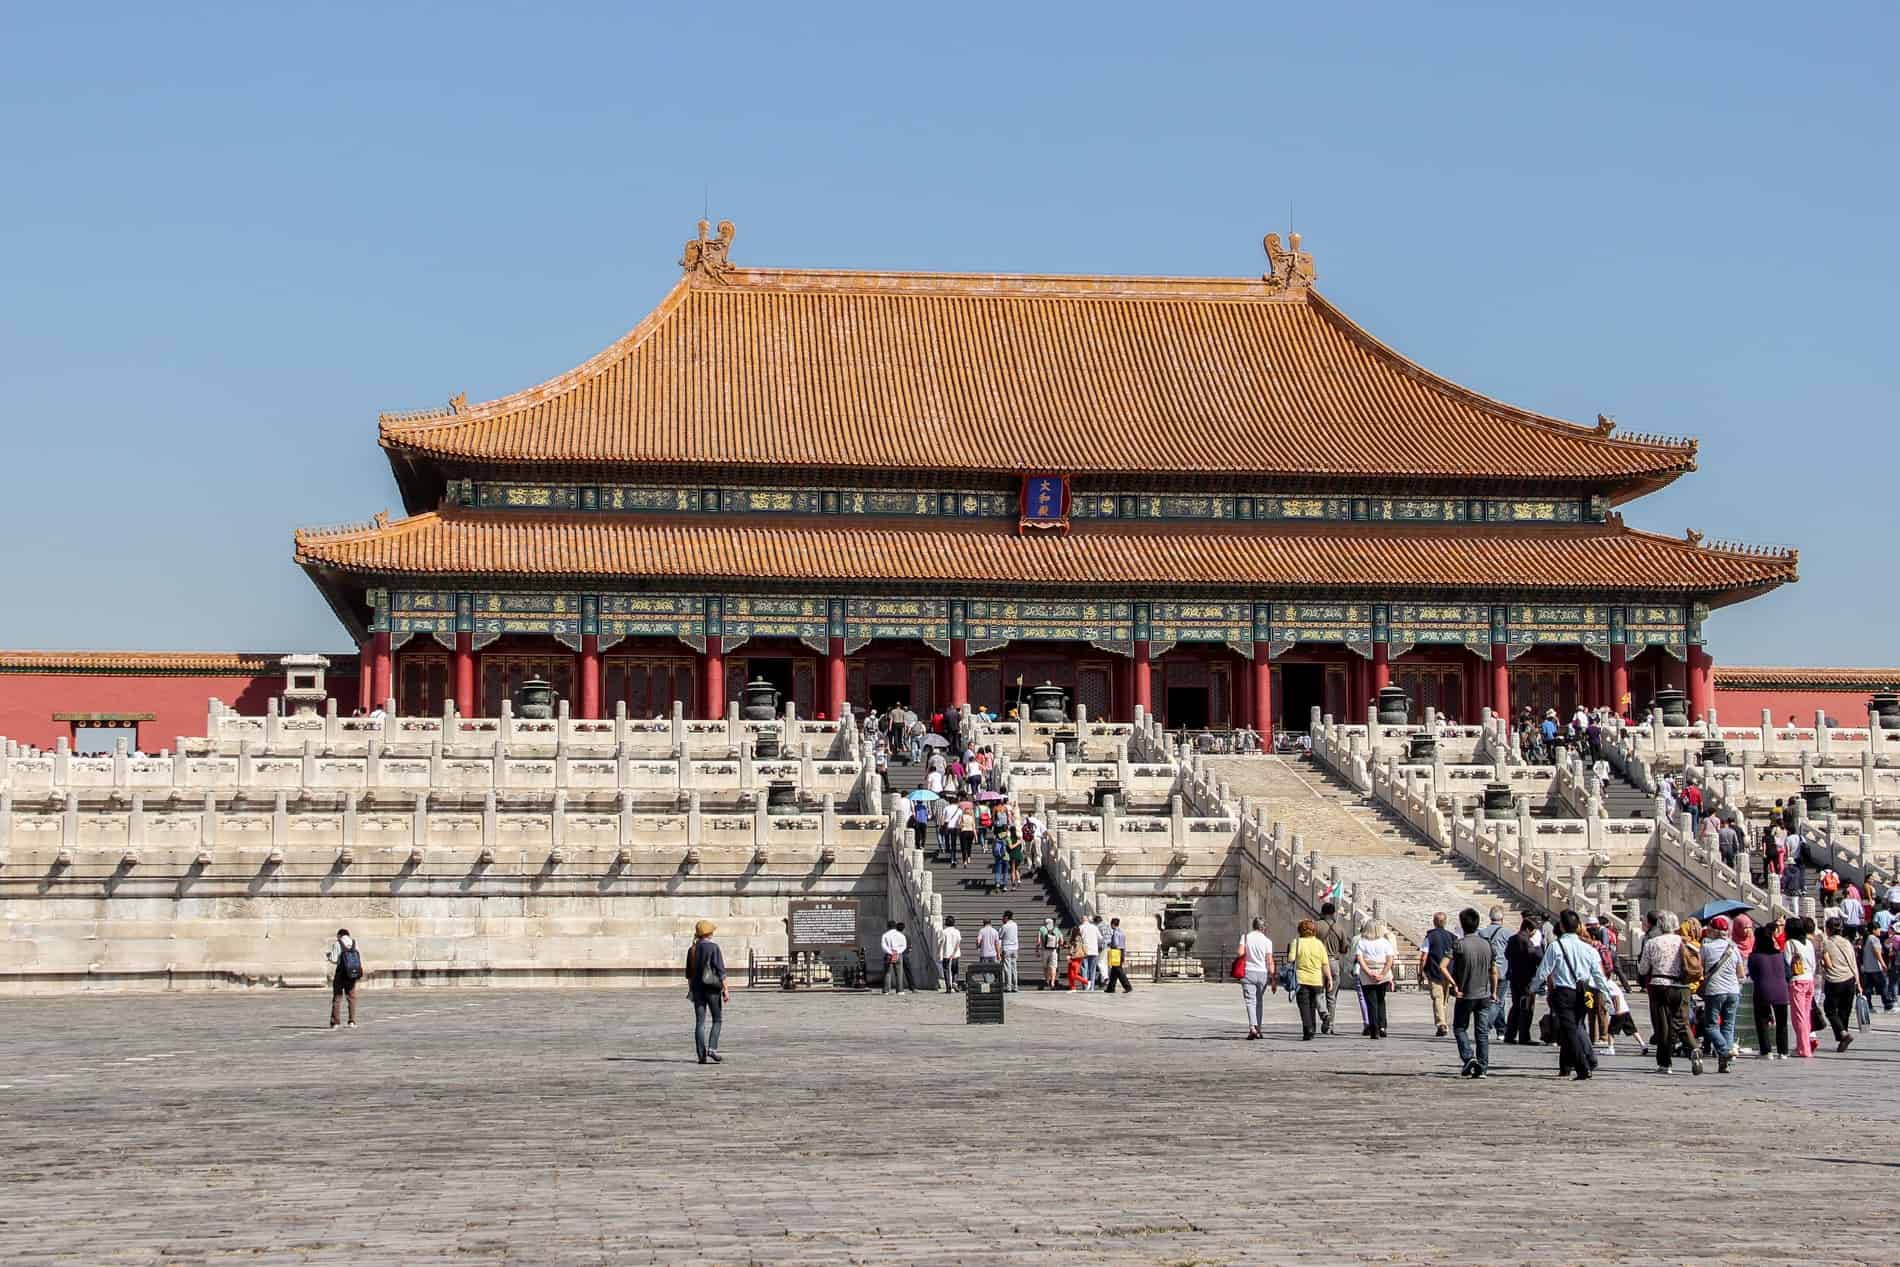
(1693, 537)
(1606, 425)
(707, 256)
(1290, 270)
(458, 403)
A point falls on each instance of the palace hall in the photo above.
(1217, 499)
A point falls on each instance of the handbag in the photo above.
(709, 977)
(1240, 966)
(1863, 1013)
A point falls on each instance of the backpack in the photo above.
(1691, 964)
(349, 964)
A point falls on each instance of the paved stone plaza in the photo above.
(575, 1127)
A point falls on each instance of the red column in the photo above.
(365, 672)
(1125, 689)
(1263, 695)
(959, 672)
(712, 672)
(588, 669)
(1619, 680)
(1144, 679)
(465, 674)
(1701, 683)
(1355, 688)
(379, 686)
(834, 675)
(1501, 680)
(1381, 668)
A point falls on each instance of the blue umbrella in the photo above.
(1721, 906)
(924, 794)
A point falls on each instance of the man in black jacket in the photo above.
(1521, 957)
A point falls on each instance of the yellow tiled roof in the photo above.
(813, 369)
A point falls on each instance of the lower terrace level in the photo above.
(1191, 685)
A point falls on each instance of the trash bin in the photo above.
(983, 993)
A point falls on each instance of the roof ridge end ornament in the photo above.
(708, 256)
(458, 403)
(1290, 270)
(1691, 536)
(381, 518)
(1606, 425)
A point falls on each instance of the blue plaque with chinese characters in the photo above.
(1045, 502)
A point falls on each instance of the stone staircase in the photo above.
(966, 890)
(1371, 847)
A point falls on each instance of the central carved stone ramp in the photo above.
(1410, 878)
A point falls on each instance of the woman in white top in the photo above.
(1375, 957)
(1802, 958)
(1256, 953)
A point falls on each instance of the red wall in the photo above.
(1743, 707)
(29, 700)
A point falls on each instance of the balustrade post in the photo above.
(694, 823)
(208, 821)
(135, 821)
(279, 822)
(6, 819)
(349, 819)
(623, 819)
(557, 820)
(491, 822)
(329, 724)
(1767, 733)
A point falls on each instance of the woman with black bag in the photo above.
(706, 986)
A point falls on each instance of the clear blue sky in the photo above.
(229, 236)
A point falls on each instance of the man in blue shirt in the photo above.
(1432, 958)
(1569, 968)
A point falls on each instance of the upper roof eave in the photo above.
(1624, 466)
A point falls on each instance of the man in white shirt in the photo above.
(895, 946)
(952, 824)
(950, 947)
(1012, 945)
(989, 943)
(1091, 933)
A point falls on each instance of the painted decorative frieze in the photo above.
(993, 622)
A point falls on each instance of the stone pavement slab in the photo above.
(575, 1127)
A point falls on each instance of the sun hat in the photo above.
(703, 929)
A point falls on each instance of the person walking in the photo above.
(1498, 937)
(1569, 967)
(706, 987)
(1433, 960)
(1667, 972)
(1801, 977)
(895, 946)
(1338, 947)
(989, 944)
(346, 962)
(1840, 983)
(1049, 938)
(1376, 958)
(1090, 935)
(950, 951)
(1873, 969)
(1768, 969)
(1256, 954)
(1011, 939)
(1312, 976)
(1721, 989)
(1472, 974)
(1115, 951)
(1522, 956)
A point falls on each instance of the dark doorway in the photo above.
(1302, 689)
(776, 671)
(885, 698)
(1187, 707)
